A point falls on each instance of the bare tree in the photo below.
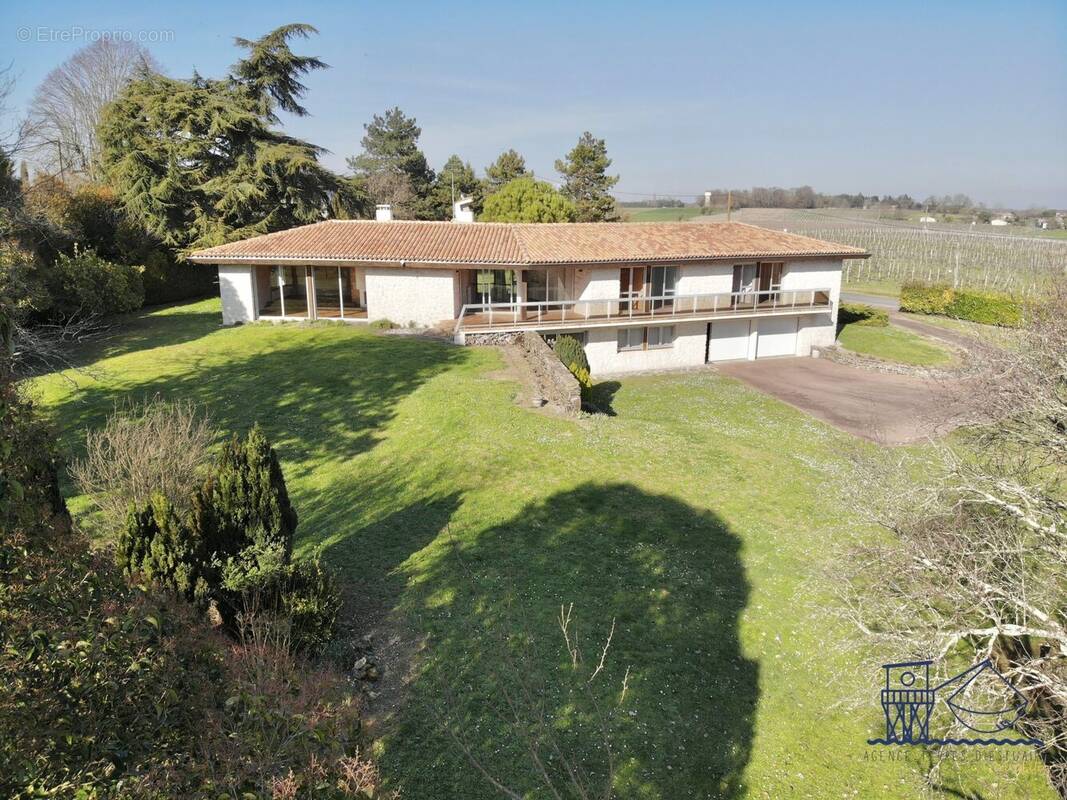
(975, 566)
(66, 107)
(14, 129)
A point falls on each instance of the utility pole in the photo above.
(729, 203)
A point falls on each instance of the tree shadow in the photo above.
(320, 399)
(670, 577)
(601, 396)
(145, 329)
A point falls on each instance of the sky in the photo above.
(873, 97)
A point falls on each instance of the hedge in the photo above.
(860, 314)
(988, 308)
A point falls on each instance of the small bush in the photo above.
(303, 595)
(84, 283)
(860, 314)
(988, 308)
(382, 324)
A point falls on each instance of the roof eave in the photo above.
(341, 261)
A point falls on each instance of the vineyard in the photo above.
(1016, 264)
(903, 251)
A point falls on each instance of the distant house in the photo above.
(638, 296)
(926, 220)
(999, 222)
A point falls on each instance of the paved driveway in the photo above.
(891, 409)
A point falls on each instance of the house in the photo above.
(999, 222)
(638, 296)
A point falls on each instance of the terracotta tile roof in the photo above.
(519, 244)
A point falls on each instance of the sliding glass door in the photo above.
(663, 280)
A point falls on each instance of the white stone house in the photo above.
(638, 296)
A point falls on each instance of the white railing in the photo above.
(557, 313)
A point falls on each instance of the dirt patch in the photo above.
(879, 407)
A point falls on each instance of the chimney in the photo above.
(383, 212)
(462, 211)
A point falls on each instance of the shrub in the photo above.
(304, 595)
(860, 314)
(921, 298)
(249, 503)
(382, 324)
(988, 308)
(147, 448)
(233, 547)
(84, 283)
(571, 353)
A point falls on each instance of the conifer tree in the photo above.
(586, 182)
(508, 166)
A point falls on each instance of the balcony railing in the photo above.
(568, 313)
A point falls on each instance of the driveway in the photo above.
(877, 300)
(889, 409)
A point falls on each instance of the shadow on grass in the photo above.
(155, 326)
(319, 396)
(672, 579)
(600, 398)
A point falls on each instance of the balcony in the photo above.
(482, 317)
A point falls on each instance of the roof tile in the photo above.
(519, 244)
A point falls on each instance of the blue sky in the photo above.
(876, 97)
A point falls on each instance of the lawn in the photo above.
(460, 523)
(893, 344)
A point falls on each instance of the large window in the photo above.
(652, 338)
(494, 286)
(663, 280)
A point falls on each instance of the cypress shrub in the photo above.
(570, 351)
(248, 498)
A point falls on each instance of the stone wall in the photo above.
(848, 358)
(556, 384)
(553, 383)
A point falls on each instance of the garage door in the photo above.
(777, 337)
(728, 340)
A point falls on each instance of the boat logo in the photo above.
(909, 702)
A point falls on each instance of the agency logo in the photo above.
(910, 703)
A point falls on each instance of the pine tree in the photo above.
(508, 166)
(198, 162)
(454, 180)
(527, 200)
(586, 182)
(392, 165)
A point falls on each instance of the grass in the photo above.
(890, 343)
(660, 214)
(692, 519)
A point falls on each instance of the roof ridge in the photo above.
(520, 242)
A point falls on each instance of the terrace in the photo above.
(479, 317)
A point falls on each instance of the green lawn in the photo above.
(893, 344)
(692, 517)
(660, 214)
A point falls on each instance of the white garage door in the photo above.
(777, 337)
(729, 340)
